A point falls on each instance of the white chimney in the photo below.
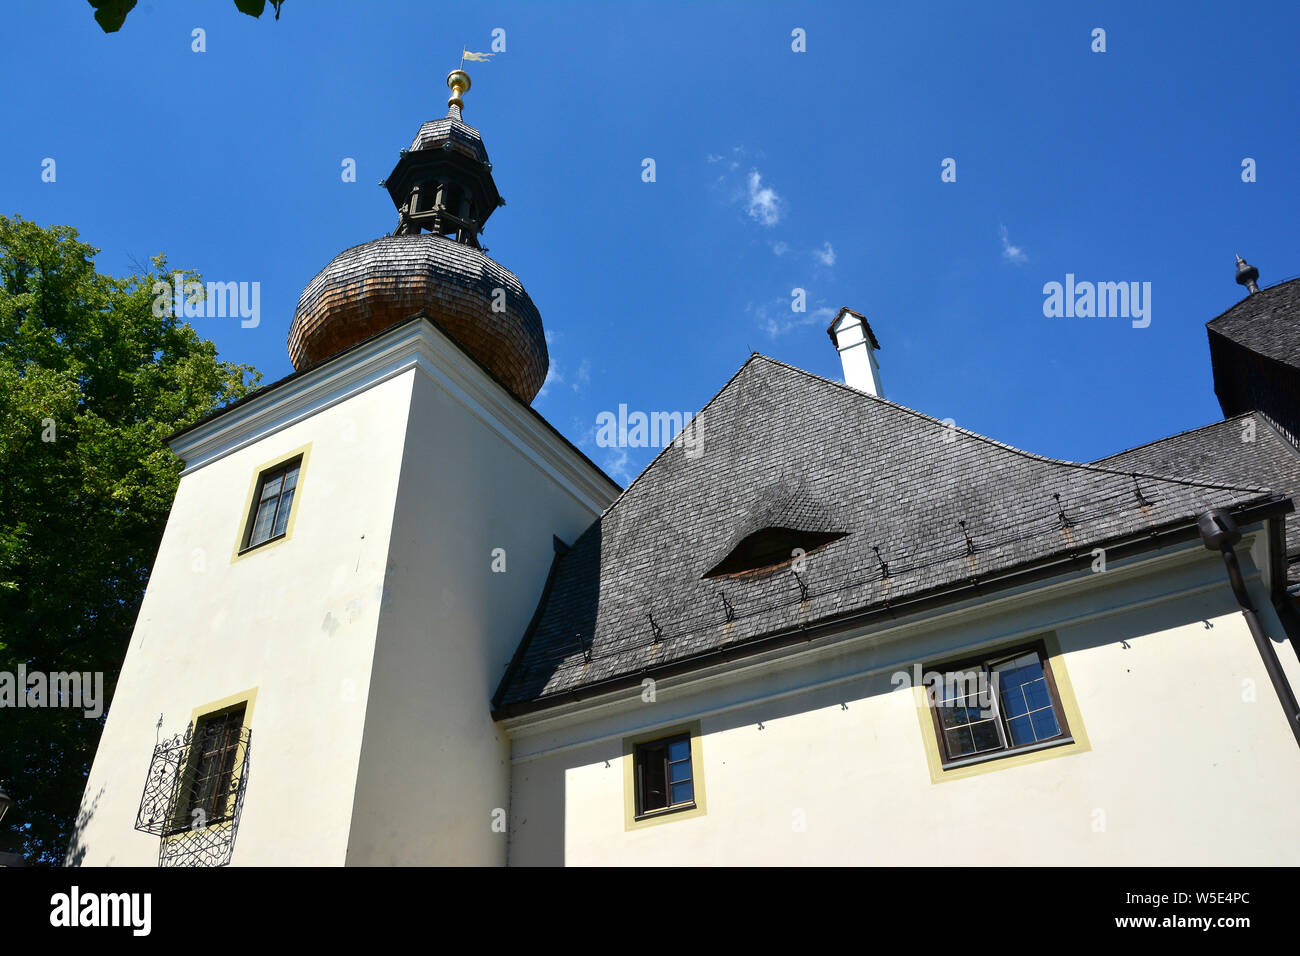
(857, 347)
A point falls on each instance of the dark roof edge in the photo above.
(422, 314)
(1176, 532)
(1213, 334)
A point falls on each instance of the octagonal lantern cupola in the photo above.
(443, 183)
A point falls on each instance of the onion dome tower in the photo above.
(433, 262)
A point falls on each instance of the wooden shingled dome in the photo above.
(444, 193)
(380, 283)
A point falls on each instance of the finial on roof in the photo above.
(1247, 275)
(458, 83)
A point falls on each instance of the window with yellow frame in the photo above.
(1003, 707)
(663, 776)
(272, 505)
(215, 764)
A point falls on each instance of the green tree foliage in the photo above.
(91, 383)
(111, 14)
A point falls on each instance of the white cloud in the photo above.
(1012, 253)
(776, 319)
(617, 465)
(583, 376)
(553, 377)
(764, 204)
(825, 255)
(780, 248)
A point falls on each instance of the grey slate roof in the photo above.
(780, 441)
(1220, 452)
(1266, 322)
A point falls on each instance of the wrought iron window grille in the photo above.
(194, 791)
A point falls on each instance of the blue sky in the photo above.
(1115, 166)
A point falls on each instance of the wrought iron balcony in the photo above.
(194, 792)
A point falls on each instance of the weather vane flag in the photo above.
(473, 57)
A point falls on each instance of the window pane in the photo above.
(1014, 703)
(986, 736)
(1021, 731)
(1045, 725)
(282, 517)
(1026, 701)
(291, 478)
(679, 750)
(951, 716)
(262, 523)
(1037, 695)
(683, 792)
(959, 714)
(960, 742)
(654, 788)
(215, 746)
(678, 772)
(270, 487)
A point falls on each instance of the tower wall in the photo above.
(293, 621)
(367, 642)
(435, 768)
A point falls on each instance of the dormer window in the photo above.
(769, 549)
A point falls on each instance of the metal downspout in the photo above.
(1220, 533)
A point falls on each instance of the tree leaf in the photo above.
(111, 14)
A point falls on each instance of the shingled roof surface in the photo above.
(1266, 322)
(450, 130)
(1244, 450)
(782, 446)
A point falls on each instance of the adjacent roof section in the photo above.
(897, 484)
(1244, 450)
(1267, 322)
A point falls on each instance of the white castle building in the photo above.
(396, 618)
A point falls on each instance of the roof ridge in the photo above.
(1248, 296)
(1086, 466)
(1157, 441)
(664, 450)
(1276, 430)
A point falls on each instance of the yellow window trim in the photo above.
(630, 822)
(246, 516)
(248, 698)
(1080, 744)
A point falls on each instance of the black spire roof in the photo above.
(1266, 322)
(1255, 354)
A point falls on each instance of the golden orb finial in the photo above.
(458, 83)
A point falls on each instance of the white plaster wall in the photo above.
(434, 766)
(1184, 767)
(296, 620)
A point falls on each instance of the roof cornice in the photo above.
(1057, 567)
(415, 344)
